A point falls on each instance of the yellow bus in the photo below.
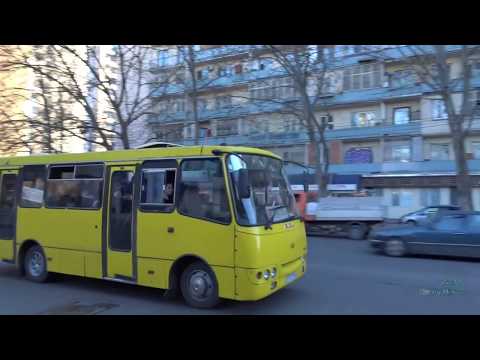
(206, 222)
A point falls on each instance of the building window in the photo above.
(440, 151)
(453, 196)
(358, 156)
(260, 64)
(365, 76)
(364, 118)
(202, 74)
(227, 127)
(179, 77)
(176, 106)
(398, 151)
(202, 192)
(225, 70)
(202, 104)
(257, 126)
(162, 57)
(401, 153)
(170, 132)
(223, 101)
(439, 110)
(434, 70)
(476, 68)
(280, 88)
(401, 115)
(403, 77)
(475, 100)
(430, 197)
(402, 198)
(476, 150)
(292, 125)
(189, 131)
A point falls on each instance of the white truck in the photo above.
(350, 216)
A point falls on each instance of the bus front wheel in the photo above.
(36, 265)
(199, 286)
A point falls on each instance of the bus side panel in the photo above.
(6, 250)
(68, 232)
(226, 281)
(53, 260)
(74, 230)
(154, 272)
(210, 241)
(93, 265)
(72, 262)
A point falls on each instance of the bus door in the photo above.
(8, 214)
(120, 250)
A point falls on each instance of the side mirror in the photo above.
(243, 184)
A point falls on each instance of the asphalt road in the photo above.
(343, 277)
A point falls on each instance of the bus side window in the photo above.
(202, 192)
(7, 206)
(33, 186)
(158, 190)
(75, 187)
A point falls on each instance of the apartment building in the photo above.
(385, 125)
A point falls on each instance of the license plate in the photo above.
(291, 277)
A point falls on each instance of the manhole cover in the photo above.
(78, 309)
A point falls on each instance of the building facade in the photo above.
(385, 124)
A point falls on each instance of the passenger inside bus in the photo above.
(167, 196)
(191, 201)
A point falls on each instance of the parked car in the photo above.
(426, 214)
(450, 234)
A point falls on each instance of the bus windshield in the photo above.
(270, 198)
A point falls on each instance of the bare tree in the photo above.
(431, 65)
(119, 78)
(309, 69)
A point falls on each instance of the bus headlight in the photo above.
(273, 273)
(266, 274)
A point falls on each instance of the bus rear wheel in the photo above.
(35, 265)
(199, 286)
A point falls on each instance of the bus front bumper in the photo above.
(249, 287)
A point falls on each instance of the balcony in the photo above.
(205, 55)
(219, 82)
(222, 52)
(380, 131)
(414, 167)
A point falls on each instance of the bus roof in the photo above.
(129, 155)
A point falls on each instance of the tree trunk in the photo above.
(464, 186)
(124, 137)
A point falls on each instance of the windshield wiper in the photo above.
(269, 223)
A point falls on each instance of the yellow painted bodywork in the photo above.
(6, 250)
(72, 239)
(284, 247)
